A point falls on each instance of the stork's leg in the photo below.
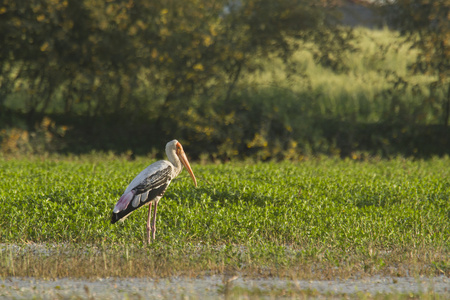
(154, 220)
(148, 222)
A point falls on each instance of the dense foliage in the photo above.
(130, 75)
(133, 58)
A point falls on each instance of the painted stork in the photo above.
(149, 186)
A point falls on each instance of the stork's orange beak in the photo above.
(185, 162)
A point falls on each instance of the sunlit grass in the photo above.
(315, 219)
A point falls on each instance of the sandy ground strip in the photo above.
(211, 287)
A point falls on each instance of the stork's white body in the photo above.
(149, 172)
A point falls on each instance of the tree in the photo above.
(426, 23)
(149, 65)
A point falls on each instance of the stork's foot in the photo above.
(153, 232)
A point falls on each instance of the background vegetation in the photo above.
(255, 78)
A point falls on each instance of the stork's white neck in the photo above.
(173, 158)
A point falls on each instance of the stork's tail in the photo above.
(115, 218)
(121, 206)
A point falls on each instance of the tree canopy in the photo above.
(427, 25)
(91, 57)
(164, 69)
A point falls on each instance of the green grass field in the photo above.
(319, 218)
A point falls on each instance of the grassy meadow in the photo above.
(319, 218)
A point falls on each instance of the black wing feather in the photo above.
(154, 181)
(158, 192)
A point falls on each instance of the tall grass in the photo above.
(380, 58)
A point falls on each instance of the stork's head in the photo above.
(175, 145)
